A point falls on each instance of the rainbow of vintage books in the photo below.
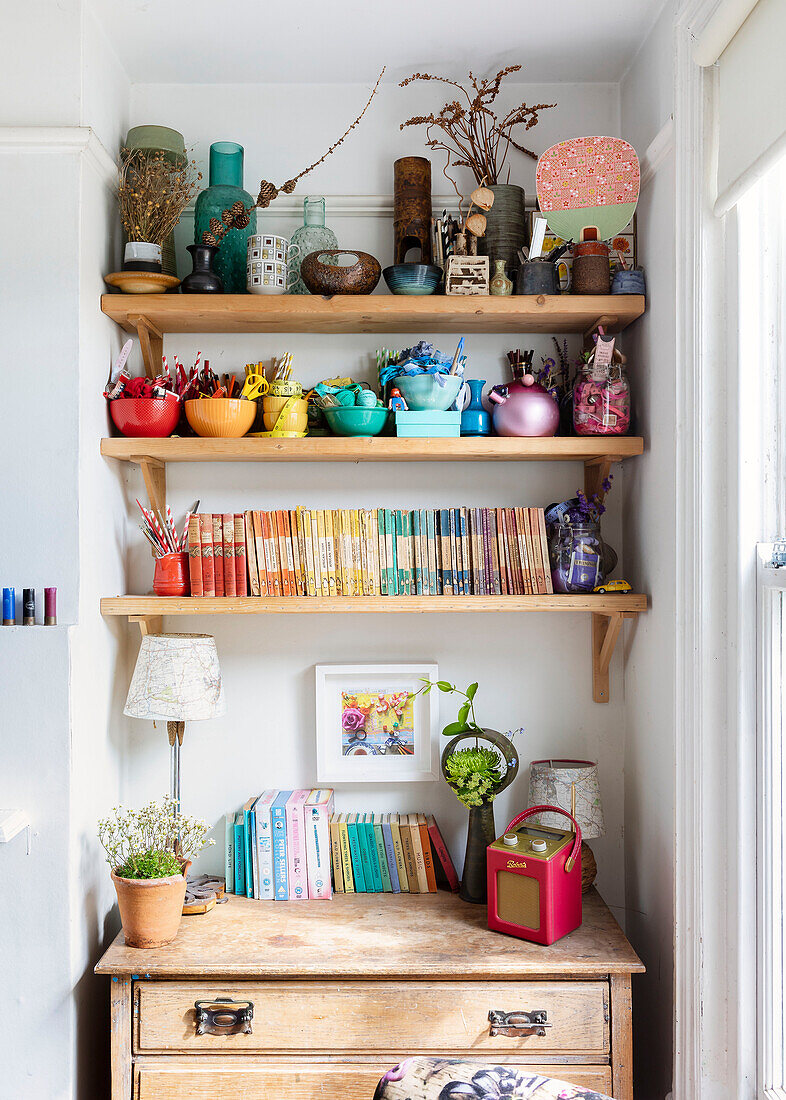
(370, 552)
(291, 846)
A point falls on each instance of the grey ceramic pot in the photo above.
(506, 227)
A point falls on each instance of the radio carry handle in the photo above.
(555, 810)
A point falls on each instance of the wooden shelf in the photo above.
(133, 606)
(228, 313)
(376, 449)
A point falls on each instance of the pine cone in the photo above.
(228, 218)
(215, 225)
(267, 192)
(238, 209)
(208, 238)
(242, 220)
(289, 187)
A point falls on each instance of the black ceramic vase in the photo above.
(203, 279)
(481, 829)
(506, 227)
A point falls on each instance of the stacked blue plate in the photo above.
(413, 278)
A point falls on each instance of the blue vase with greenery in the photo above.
(226, 187)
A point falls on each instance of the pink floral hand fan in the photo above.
(588, 187)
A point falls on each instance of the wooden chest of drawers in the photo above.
(342, 990)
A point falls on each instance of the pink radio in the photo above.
(534, 879)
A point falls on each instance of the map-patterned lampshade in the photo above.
(177, 679)
(550, 783)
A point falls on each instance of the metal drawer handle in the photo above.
(223, 1016)
(517, 1024)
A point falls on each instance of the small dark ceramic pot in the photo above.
(537, 277)
(203, 279)
(323, 274)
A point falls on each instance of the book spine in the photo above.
(428, 861)
(473, 552)
(373, 855)
(317, 824)
(289, 551)
(228, 527)
(382, 858)
(544, 546)
(533, 563)
(494, 549)
(398, 853)
(335, 526)
(364, 564)
(522, 545)
(387, 836)
(241, 555)
(304, 518)
(279, 536)
(296, 562)
(195, 556)
(330, 553)
(324, 564)
(390, 548)
(418, 560)
(345, 553)
(274, 563)
(346, 856)
(365, 857)
(355, 857)
(357, 572)
(296, 850)
(248, 852)
(417, 848)
(503, 572)
(206, 537)
(229, 853)
(280, 876)
(540, 565)
(433, 579)
(240, 865)
(409, 855)
(218, 554)
(247, 520)
(254, 855)
(317, 551)
(444, 533)
(443, 855)
(335, 855)
(264, 851)
(513, 549)
(383, 561)
(465, 555)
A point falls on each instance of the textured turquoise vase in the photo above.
(226, 187)
(312, 236)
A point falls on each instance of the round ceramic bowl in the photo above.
(427, 391)
(295, 421)
(224, 417)
(340, 271)
(353, 420)
(145, 417)
(412, 278)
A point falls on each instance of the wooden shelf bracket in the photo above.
(148, 624)
(596, 470)
(606, 628)
(154, 475)
(151, 341)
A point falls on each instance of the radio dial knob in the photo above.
(538, 845)
(511, 839)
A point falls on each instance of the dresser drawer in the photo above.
(417, 1017)
(214, 1079)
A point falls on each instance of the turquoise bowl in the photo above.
(412, 278)
(422, 391)
(356, 421)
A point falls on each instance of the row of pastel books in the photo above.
(291, 846)
(370, 551)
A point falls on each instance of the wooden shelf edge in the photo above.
(145, 606)
(588, 449)
(227, 313)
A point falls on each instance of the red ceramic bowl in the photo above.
(146, 417)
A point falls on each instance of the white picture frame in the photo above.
(352, 755)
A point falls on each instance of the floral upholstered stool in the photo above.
(453, 1079)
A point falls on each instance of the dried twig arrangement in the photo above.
(472, 135)
(153, 192)
(237, 217)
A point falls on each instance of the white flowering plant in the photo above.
(153, 842)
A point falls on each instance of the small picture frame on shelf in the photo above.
(371, 725)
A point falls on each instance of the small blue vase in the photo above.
(474, 419)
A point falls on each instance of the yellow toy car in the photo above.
(612, 586)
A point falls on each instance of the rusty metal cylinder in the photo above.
(412, 208)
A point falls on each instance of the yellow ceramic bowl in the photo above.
(224, 417)
(295, 421)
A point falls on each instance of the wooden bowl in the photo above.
(221, 417)
(323, 274)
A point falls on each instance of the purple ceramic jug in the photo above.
(524, 408)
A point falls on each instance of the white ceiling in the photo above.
(348, 41)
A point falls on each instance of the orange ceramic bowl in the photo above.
(224, 417)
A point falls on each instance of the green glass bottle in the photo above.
(312, 235)
(226, 187)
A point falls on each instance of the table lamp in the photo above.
(569, 784)
(177, 679)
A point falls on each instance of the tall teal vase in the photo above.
(226, 187)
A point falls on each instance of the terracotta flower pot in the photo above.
(150, 908)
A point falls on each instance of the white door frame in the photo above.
(715, 998)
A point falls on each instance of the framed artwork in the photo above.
(372, 727)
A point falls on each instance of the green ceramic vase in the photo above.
(226, 187)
